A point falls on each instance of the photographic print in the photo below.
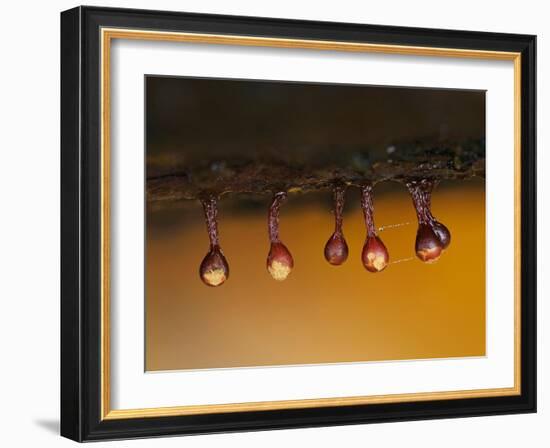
(293, 223)
(279, 224)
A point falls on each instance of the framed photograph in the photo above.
(275, 224)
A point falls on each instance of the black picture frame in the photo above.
(81, 227)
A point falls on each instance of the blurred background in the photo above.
(192, 121)
(321, 313)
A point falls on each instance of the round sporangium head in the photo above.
(375, 256)
(442, 233)
(336, 250)
(279, 261)
(214, 269)
(428, 246)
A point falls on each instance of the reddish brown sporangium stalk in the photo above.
(336, 249)
(279, 259)
(375, 256)
(214, 269)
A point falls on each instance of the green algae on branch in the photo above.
(400, 162)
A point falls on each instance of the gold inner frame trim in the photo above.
(107, 35)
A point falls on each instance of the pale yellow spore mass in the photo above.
(215, 277)
(279, 271)
(379, 262)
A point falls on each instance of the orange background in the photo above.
(321, 313)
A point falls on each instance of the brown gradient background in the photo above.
(321, 313)
(192, 120)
